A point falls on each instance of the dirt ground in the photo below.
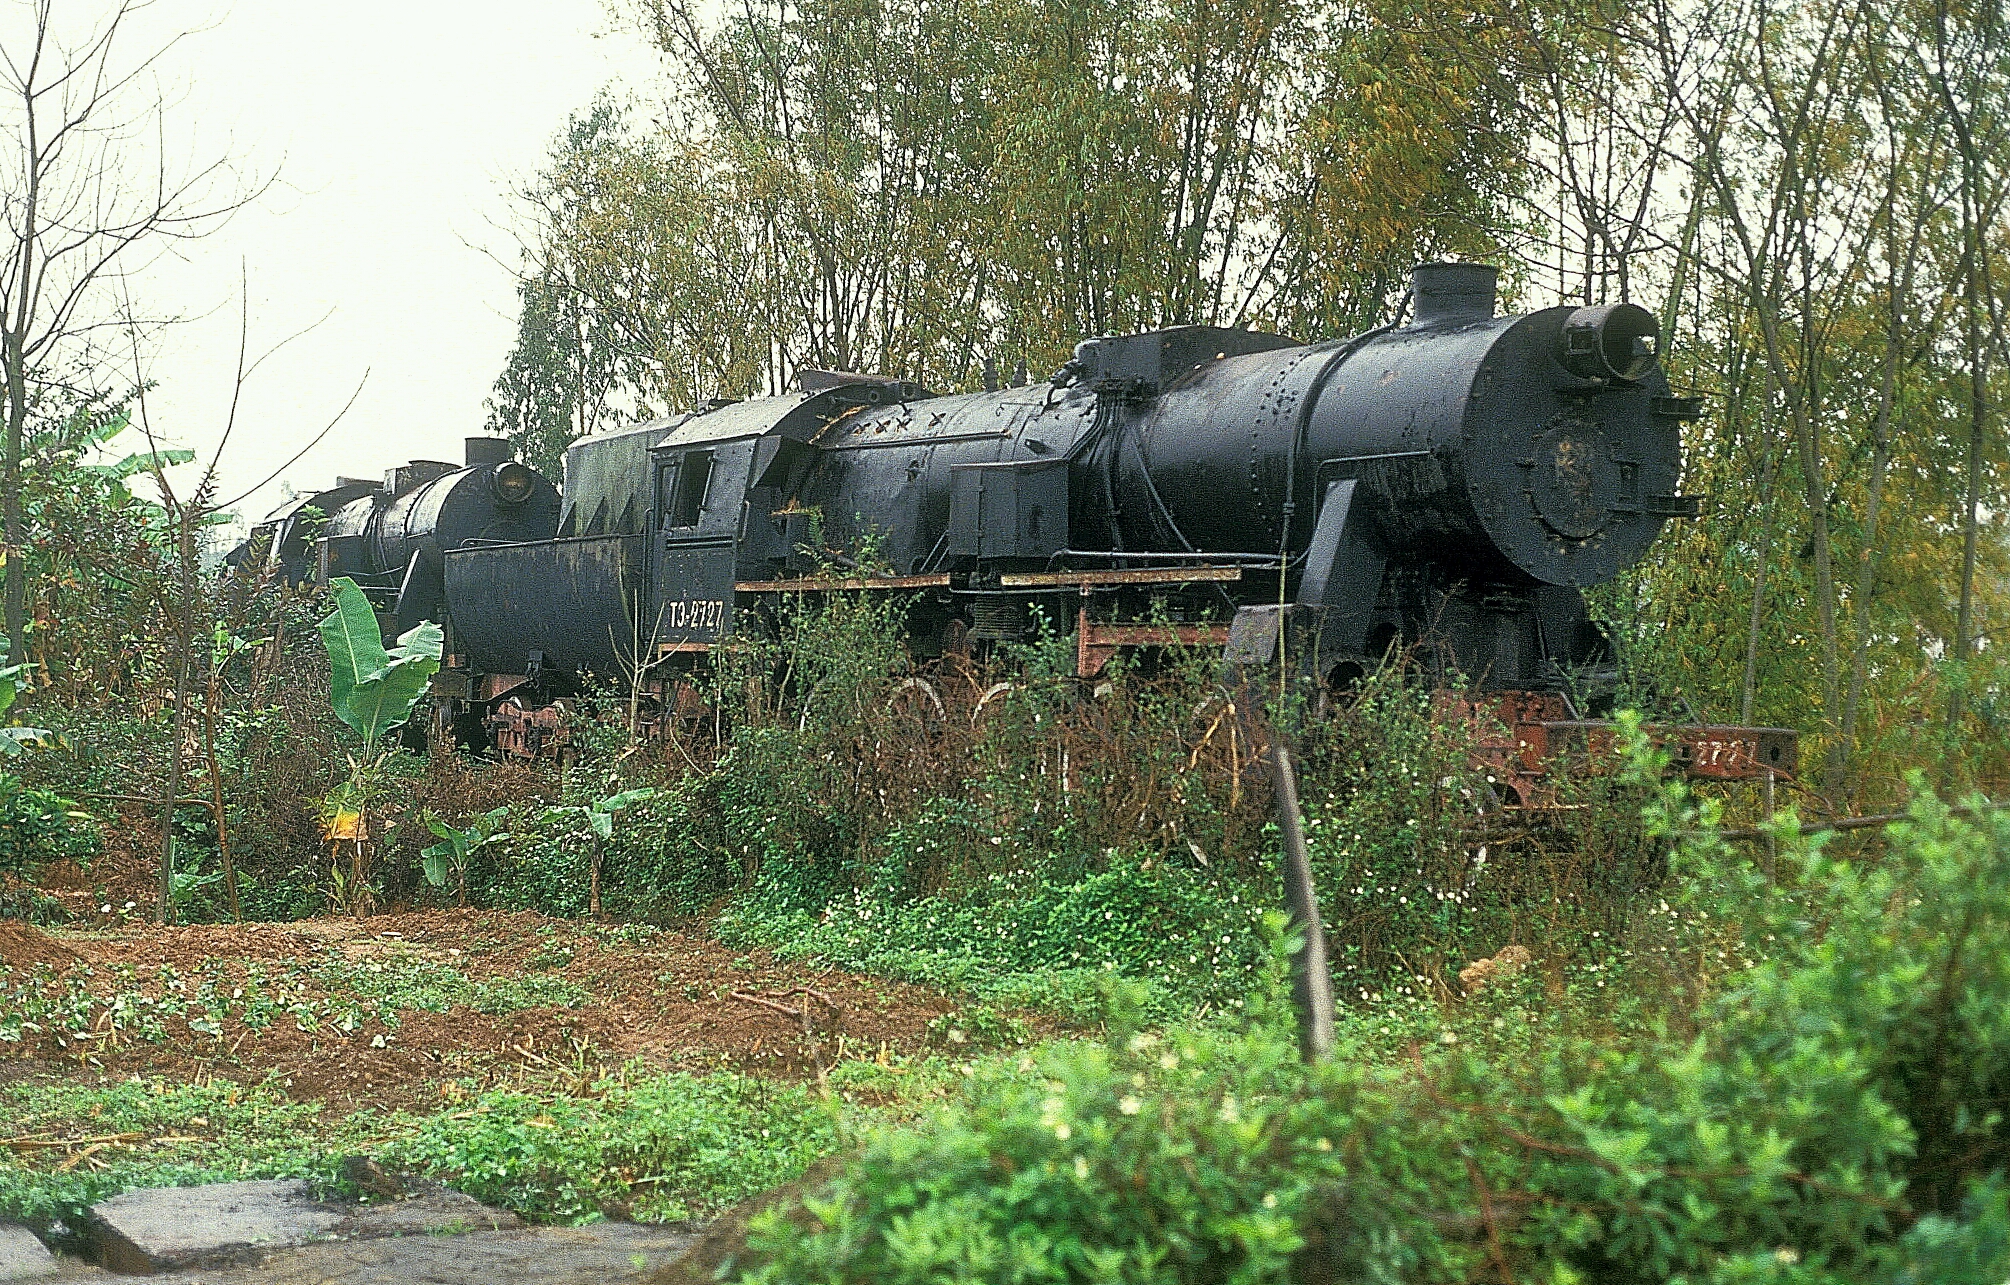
(673, 1000)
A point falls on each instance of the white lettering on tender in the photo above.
(701, 613)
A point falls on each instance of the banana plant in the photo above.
(451, 855)
(373, 691)
(599, 816)
(14, 681)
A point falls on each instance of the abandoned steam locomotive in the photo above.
(1451, 483)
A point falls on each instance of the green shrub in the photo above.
(662, 1148)
(184, 1134)
(38, 826)
(1188, 934)
(1838, 1119)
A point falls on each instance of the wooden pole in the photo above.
(1311, 981)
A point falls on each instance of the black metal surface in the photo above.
(1452, 483)
(567, 599)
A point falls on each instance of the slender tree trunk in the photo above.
(1978, 419)
(13, 527)
(171, 795)
(593, 879)
(211, 703)
(1974, 275)
(1899, 291)
(1754, 628)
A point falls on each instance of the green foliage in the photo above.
(1420, 866)
(192, 1133)
(374, 690)
(598, 814)
(665, 1147)
(569, 356)
(1836, 1116)
(1312, 149)
(1189, 1157)
(449, 858)
(1189, 937)
(14, 681)
(38, 826)
(85, 1006)
(653, 1147)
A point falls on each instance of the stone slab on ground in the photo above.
(432, 1211)
(165, 1228)
(158, 1228)
(603, 1254)
(23, 1257)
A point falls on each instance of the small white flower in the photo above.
(1081, 1167)
(1129, 1105)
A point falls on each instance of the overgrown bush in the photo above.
(665, 1147)
(39, 825)
(1422, 867)
(1188, 936)
(1839, 1119)
(653, 1147)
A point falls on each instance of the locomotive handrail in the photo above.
(1138, 555)
(1302, 421)
(825, 584)
(1344, 461)
(1128, 576)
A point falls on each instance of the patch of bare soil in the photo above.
(22, 947)
(119, 881)
(672, 1000)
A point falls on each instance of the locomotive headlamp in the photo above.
(514, 483)
(1615, 341)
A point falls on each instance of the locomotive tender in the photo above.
(1452, 483)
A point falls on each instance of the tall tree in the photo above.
(86, 190)
(892, 185)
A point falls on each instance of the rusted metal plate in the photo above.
(827, 584)
(1128, 576)
(1097, 644)
(1526, 739)
(491, 686)
(1733, 753)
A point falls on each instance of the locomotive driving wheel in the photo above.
(916, 699)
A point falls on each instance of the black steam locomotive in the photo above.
(1452, 483)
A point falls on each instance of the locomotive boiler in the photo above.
(1458, 479)
(1450, 484)
(391, 536)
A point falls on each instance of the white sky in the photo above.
(397, 130)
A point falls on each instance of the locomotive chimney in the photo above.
(486, 450)
(1452, 294)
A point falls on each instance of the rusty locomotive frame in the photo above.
(1449, 485)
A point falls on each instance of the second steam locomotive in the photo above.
(1451, 484)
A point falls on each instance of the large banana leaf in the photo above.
(139, 462)
(13, 680)
(374, 690)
